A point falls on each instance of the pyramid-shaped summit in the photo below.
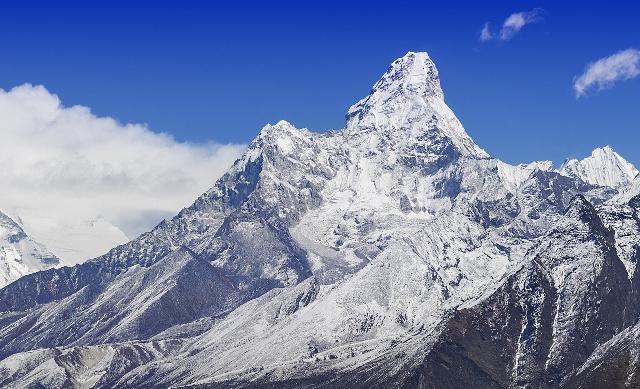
(414, 72)
(409, 98)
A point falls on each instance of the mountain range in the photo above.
(394, 253)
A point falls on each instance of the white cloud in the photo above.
(64, 166)
(605, 72)
(511, 26)
(516, 21)
(485, 33)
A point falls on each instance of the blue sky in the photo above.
(206, 72)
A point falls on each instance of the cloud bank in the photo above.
(64, 166)
(605, 72)
(511, 26)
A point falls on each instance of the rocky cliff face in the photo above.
(393, 253)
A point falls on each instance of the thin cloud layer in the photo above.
(605, 72)
(511, 26)
(67, 165)
(515, 22)
(485, 33)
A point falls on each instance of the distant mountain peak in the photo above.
(604, 167)
(19, 254)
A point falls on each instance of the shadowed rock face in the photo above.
(395, 253)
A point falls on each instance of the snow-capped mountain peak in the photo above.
(19, 254)
(604, 167)
(413, 72)
(281, 135)
(407, 103)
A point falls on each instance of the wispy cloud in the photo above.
(485, 33)
(515, 22)
(605, 72)
(511, 26)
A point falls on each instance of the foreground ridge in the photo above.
(393, 253)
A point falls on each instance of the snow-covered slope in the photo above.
(514, 176)
(393, 253)
(19, 254)
(603, 167)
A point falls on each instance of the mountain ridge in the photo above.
(394, 253)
